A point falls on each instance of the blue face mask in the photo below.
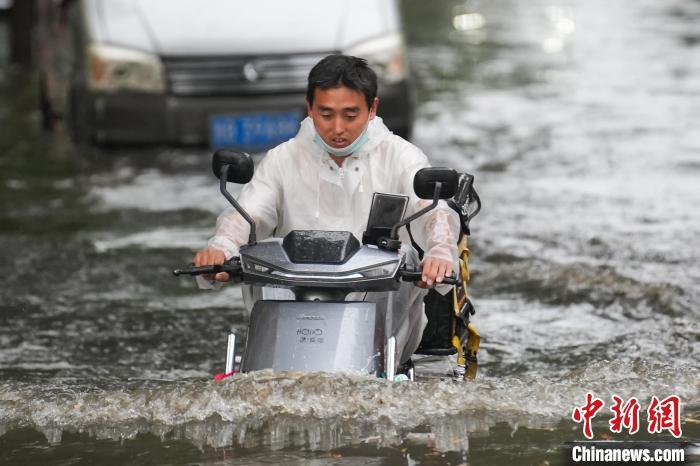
(347, 150)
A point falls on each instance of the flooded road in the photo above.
(579, 121)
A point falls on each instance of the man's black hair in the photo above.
(343, 70)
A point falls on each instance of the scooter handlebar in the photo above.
(409, 275)
(232, 267)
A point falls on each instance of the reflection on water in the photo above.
(562, 26)
(577, 119)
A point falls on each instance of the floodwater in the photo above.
(579, 120)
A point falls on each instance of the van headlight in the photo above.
(386, 55)
(112, 69)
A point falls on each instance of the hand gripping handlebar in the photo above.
(410, 274)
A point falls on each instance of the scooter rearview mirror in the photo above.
(235, 167)
(240, 165)
(426, 178)
(429, 183)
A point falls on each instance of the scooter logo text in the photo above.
(310, 335)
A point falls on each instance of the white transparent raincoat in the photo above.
(297, 186)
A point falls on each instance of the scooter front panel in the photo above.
(315, 337)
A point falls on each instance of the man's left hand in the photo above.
(434, 271)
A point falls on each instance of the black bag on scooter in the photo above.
(443, 324)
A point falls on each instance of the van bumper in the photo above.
(133, 118)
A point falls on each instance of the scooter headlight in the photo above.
(380, 271)
(112, 69)
(386, 55)
(254, 267)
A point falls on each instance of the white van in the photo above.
(217, 72)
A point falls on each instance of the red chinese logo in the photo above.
(626, 415)
(662, 415)
(665, 415)
(586, 413)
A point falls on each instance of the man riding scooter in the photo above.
(324, 179)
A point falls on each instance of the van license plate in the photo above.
(252, 132)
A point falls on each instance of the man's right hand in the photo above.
(212, 256)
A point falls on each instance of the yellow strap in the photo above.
(473, 342)
(459, 299)
(461, 360)
(464, 258)
(460, 294)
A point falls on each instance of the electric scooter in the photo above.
(319, 331)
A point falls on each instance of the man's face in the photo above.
(340, 114)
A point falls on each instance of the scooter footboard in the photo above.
(315, 337)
